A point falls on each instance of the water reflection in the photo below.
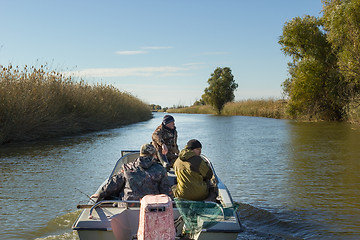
(325, 172)
(52, 146)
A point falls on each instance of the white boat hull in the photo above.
(94, 222)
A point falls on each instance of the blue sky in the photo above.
(162, 52)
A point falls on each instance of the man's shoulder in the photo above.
(196, 158)
(196, 161)
(158, 167)
(159, 128)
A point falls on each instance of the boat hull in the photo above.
(95, 221)
(108, 235)
(93, 235)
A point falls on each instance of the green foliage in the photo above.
(155, 107)
(325, 68)
(315, 87)
(221, 88)
(158, 108)
(316, 92)
(302, 37)
(200, 102)
(342, 21)
(36, 103)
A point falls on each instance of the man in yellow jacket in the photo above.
(192, 172)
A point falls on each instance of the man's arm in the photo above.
(157, 136)
(112, 188)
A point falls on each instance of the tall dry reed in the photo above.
(36, 103)
(205, 109)
(269, 108)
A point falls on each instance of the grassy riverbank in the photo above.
(269, 108)
(36, 103)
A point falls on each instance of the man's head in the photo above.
(147, 150)
(195, 146)
(169, 121)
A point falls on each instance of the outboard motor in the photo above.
(156, 221)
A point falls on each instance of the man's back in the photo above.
(191, 171)
(135, 180)
(144, 176)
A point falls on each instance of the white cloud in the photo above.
(194, 64)
(214, 53)
(122, 72)
(156, 47)
(130, 52)
(136, 52)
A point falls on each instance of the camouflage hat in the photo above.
(147, 149)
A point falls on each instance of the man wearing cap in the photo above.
(136, 179)
(164, 139)
(192, 172)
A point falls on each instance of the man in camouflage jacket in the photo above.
(136, 179)
(164, 139)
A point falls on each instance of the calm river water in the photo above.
(293, 180)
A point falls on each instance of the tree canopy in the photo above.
(221, 88)
(325, 67)
(342, 22)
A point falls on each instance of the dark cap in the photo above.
(192, 144)
(168, 119)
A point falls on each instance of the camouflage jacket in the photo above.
(168, 136)
(135, 180)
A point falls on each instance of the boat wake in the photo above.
(58, 228)
(261, 224)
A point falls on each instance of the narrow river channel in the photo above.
(292, 180)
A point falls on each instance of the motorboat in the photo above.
(119, 219)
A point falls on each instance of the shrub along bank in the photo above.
(36, 103)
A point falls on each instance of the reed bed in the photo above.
(204, 109)
(269, 108)
(36, 103)
(272, 108)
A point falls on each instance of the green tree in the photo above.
(154, 107)
(342, 22)
(221, 88)
(200, 102)
(315, 87)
